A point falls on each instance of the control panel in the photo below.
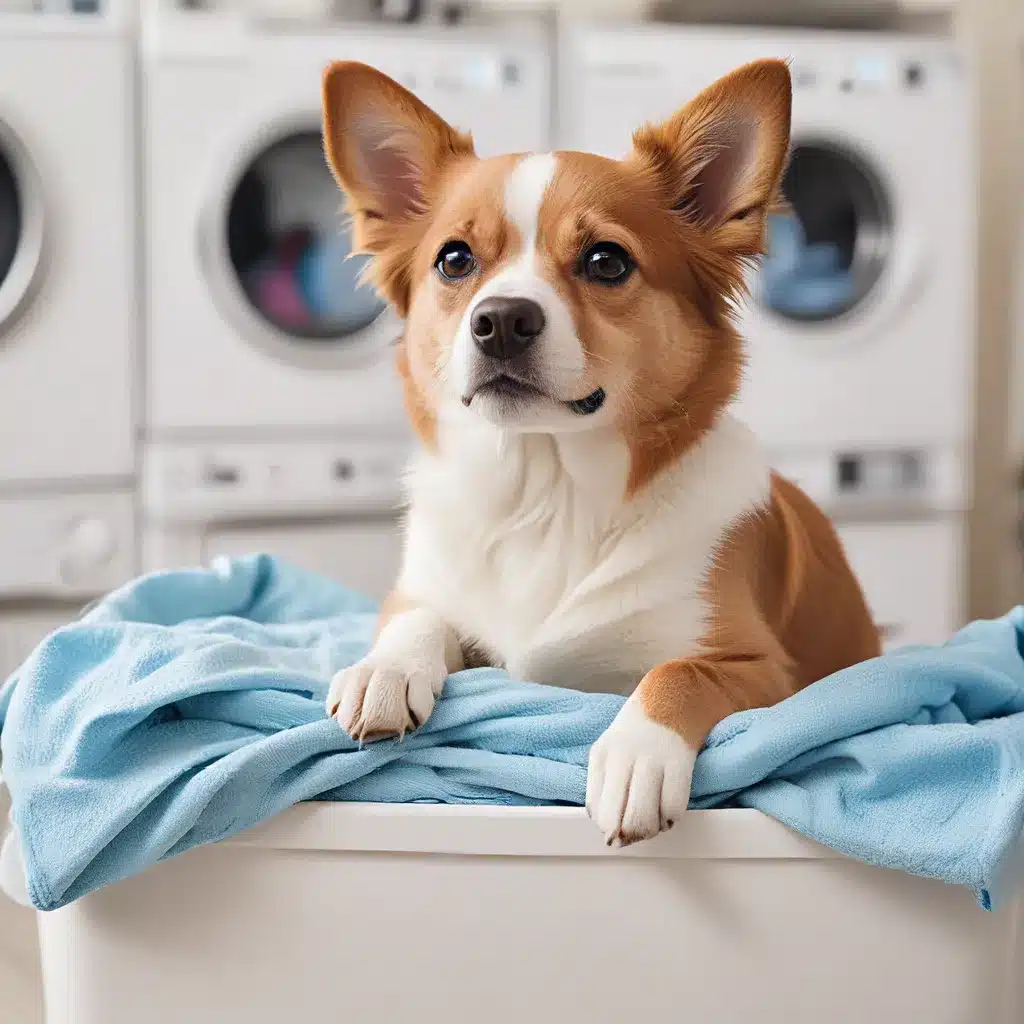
(822, 65)
(202, 483)
(879, 482)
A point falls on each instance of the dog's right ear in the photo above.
(387, 150)
(722, 157)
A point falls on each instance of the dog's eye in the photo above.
(607, 263)
(455, 261)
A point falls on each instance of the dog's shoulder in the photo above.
(782, 571)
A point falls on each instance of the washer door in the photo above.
(828, 252)
(21, 228)
(280, 259)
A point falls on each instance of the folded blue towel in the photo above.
(189, 706)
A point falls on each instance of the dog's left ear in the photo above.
(389, 152)
(720, 159)
(383, 144)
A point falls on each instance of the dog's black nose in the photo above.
(504, 328)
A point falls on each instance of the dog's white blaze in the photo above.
(525, 188)
(561, 360)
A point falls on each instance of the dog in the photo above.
(584, 511)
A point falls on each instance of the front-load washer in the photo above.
(255, 319)
(67, 316)
(272, 402)
(860, 324)
(860, 328)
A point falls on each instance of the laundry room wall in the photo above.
(1002, 326)
(995, 31)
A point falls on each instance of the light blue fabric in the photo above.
(189, 705)
(799, 278)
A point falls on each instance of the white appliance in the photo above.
(67, 317)
(860, 326)
(728, 919)
(273, 412)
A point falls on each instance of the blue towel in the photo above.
(800, 278)
(189, 706)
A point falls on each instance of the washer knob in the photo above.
(88, 546)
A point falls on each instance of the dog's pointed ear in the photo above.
(386, 148)
(721, 158)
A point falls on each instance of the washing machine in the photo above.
(68, 317)
(860, 322)
(273, 410)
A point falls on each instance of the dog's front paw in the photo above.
(638, 781)
(383, 696)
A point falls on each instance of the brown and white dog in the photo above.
(584, 512)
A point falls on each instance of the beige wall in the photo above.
(995, 31)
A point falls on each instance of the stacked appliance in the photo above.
(67, 317)
(273, 415)
(860, 325)
(67, 340)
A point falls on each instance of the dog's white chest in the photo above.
(536, 556)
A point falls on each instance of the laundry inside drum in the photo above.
(828, 249)
(291, 248)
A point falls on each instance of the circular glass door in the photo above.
(829, 249)
(10, 216)
(287, 252)
(21, 228)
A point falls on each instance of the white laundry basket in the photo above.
(429, 914)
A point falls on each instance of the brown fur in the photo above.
(421, 416)
(723, 215)
(391, 155)
(394, 159)
(786, 608)
(690, 205)
(690, 219)
(786, 611)
(658, 333)
(472, 212)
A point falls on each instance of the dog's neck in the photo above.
(573, 483)
(518, 476)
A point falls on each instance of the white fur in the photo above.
(524, 543)
(525, 188)
(394, 688)
(561, 360)
(638, 783)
